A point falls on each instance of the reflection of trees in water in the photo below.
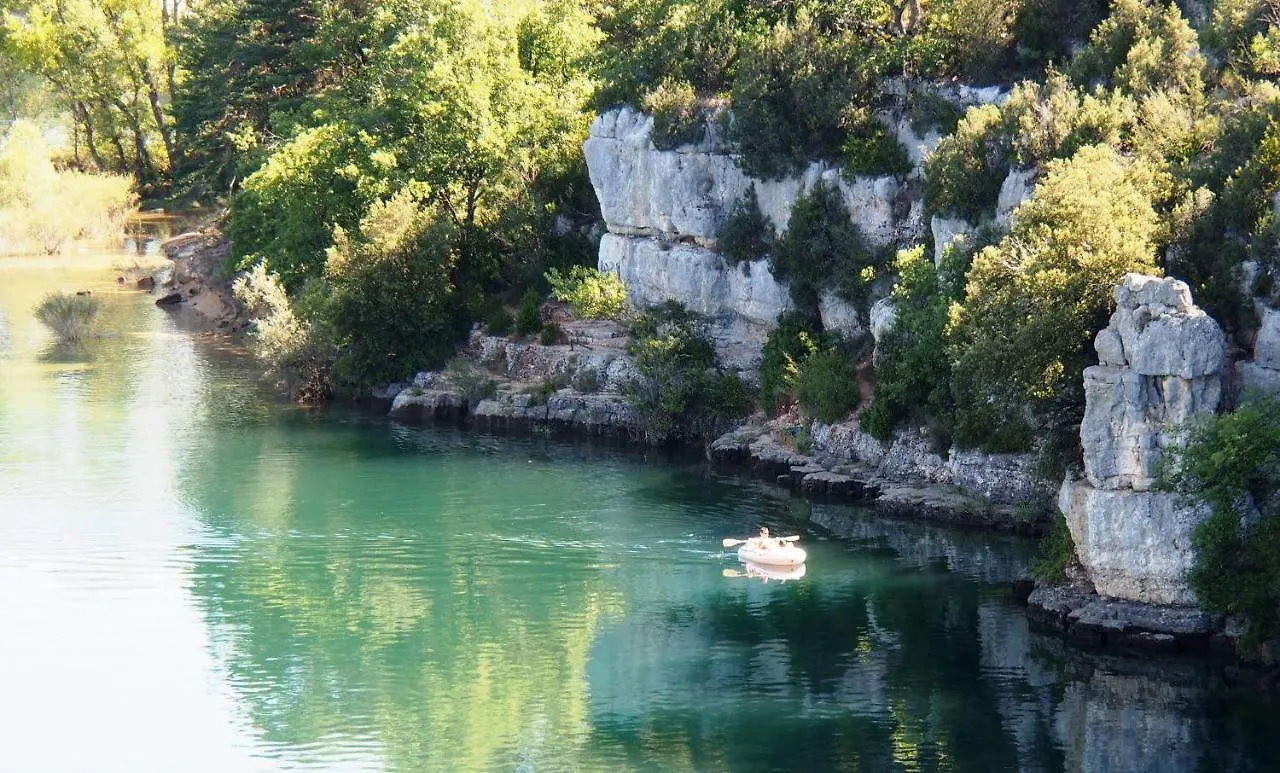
(357, 593)
(341, 612)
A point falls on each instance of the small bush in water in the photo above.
(71, 317)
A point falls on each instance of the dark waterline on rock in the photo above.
(194, 577)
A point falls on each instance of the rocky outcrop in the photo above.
(1262, 373)
(1161, 360)
(664, 210)
(191, 289)
(910, 458)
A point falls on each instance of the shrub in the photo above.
(747, 232)
(1055, 553)
(869, 149)
(791, 93)
(964, 173)
(1034, 301)
(499, 321)
(474, 384)
(586, 380)
(677, 117)
(827, 385)
(679, 392)
(1231, 463)
(794, 338)
(552, 335)
(822, 249)
(913, 369)
(590, 293)
(529, 316)
(298, 351)
(70, 316)
(392, 309)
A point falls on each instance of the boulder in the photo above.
(840, 315)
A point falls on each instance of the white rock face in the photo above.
(839, 315)
(947, 231)
(1162, 359)
(1135, 545)
(1016, 188)
(689, 191)
(883, 315)
(664, 210)
(696, 276)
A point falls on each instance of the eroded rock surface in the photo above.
(1161, 363)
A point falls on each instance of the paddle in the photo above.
(729, 542)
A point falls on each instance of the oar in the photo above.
(729, 542)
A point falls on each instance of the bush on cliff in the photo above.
(1034, 301)
(680, 391)
(590, 293)
(747, 233)
(1231, 463)
(529, 315)
(913, 370)
(792, 339)
(821, 250)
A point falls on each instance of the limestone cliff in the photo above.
(664, 210)
(1161, 361)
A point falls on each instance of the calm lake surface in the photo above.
(196, 578)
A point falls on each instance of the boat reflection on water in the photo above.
(767, 573)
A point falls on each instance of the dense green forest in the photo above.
(405, 168)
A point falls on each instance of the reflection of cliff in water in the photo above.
(981, 556)
(871, 665)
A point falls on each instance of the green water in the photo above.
(194, 578)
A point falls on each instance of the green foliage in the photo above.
(552, 335)
(913, 369)
(590, 293)
(472, 382)
(1034, 301)
(297, 350)
(70, 316)
(747, 233)
(107, 61)
(393, 305)
(679, 392)
(1055, 553)
(964, 173)
(1231, 463)
(1046, 30)
(869, 149)
(499, 321)
(529, 315)
(793, 339)
(678, 119)
(823, 249)
(827, 385)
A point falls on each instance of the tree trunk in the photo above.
(82, 112)
(166, 135)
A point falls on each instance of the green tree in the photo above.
(1034, 301)
(1231, 463)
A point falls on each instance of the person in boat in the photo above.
(764, 541)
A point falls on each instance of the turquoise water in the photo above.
(194, 577)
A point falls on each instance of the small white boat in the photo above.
(773, 555)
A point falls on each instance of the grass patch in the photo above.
(70, 316)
